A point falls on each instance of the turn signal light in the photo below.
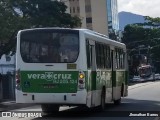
(81, 76)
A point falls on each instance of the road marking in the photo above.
(157, 118)
(62, 108)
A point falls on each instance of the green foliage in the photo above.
(153, 22)
(22, 14)
(143, 34)
(46, 13)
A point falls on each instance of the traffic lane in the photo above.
(139, 105)
(85, 114)
(143, 97)
(136, 101)
(116, 111)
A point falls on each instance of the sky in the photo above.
(142, 7)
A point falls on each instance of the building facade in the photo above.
(93, 17)
(7, 77)
(113, 20)
(98, 15)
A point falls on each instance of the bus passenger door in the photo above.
(91, 63)
(93, 73)
(113, 66)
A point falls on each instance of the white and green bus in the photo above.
(74, 67)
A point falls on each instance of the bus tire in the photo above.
(49, 108)
(122, 90)
(117, 102)
(103, 104)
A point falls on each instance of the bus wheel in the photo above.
(117, 102)
(102, 106)
(49, 108)
(122, 90)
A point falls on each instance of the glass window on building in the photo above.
(89, 20)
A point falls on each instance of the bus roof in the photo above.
(145, 66)
(87, 31)
(110, 41)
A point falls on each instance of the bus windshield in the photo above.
(49, 46)
(145, 71)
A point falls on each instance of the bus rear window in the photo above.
(49, 46)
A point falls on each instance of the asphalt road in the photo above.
(143, 98)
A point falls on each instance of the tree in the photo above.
(8, 24)
(22, 14)
(143, 34)
(45, 13)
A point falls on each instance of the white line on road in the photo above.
(157, 118)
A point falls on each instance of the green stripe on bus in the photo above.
(67, 81)
(97, 79)
(114, 78)
(119, 78)
(49, 81)
(93, 81)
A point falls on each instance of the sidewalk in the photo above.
(11, 105)
(137, 85)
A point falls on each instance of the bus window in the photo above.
(89, 54)
(98, 55)
(51, 47)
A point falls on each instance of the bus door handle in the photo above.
(48, 65)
